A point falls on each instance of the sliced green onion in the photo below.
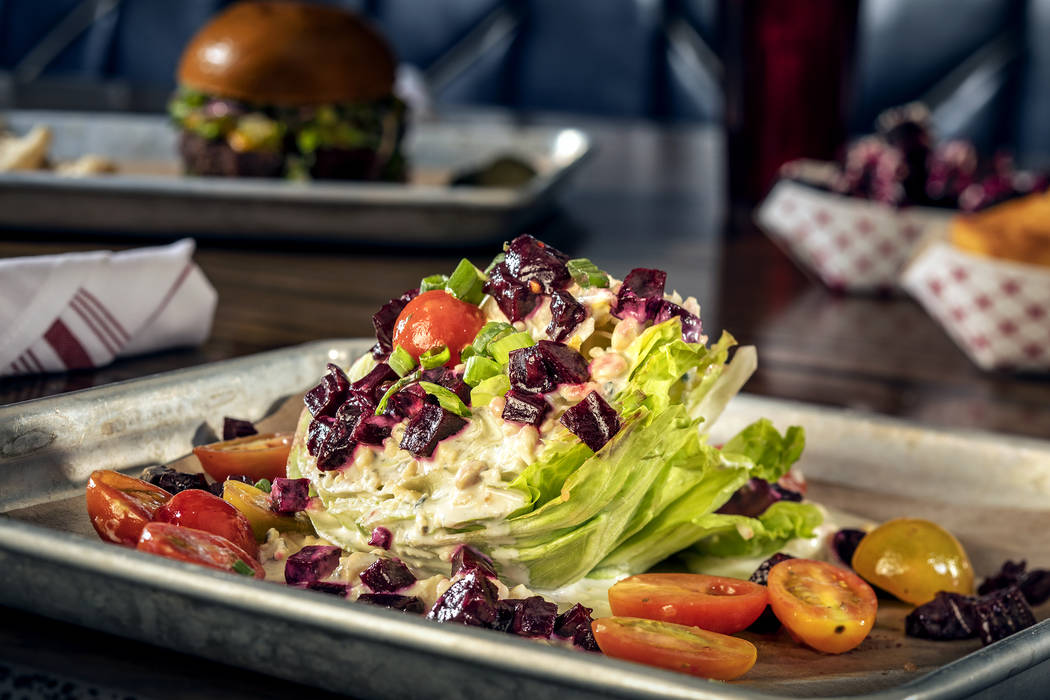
(502, 348)
(466, 283)
(586, 274)
(483, 393)
(467, 353)
(435, 357)
(500, 257)
(489, 332)
(401, 361)
(264, 485)
(433, 282)
(479, 368)
(449, 401)
(396, 387)
(242, 568)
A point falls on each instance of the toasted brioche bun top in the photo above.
(288, 54)
(1016, 230)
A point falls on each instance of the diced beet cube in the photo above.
(384, 319)
(472, 600)
(513, 296)
(173, 481)
(641, 294)
(336, 448)
(431, 425)
(530, 260)
(330, 587)
(565, 364)
(446, 377)
(373, 430)
(325, 398)
(566, 314)
(318, 432)
(233, 428)
(525, 407)
(387, 576)
(381, 537)
(404, 603)
(761, 574)
(533, 617)
(370, 384)
(1001, 613)
(844, 543)
(592, 420)
(289, 496)
(753, 498)
(378, 353)
(467, 558)
(529, 372)
(311, 563)
(1034, 584)
(408, 402)
(575, 624)
(948, 616)
(692, 329)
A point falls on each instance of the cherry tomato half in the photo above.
(256, 457)
(204, 511)
(254, 505)
(690, 650)
(715, 603)
(434, 319)
(913, 559)
(821, 605)
(119, 506)
(197, 547)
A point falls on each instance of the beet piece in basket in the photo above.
(233, 428)
(387, 576)
(592, 420)
(288, 496)
(394, 601)
(525, 407)
(467, 558)
(311, 563)
(641, 294)
(472, 600)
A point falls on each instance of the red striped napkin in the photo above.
(60, 312)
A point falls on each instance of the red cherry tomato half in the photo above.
(825, 607)
(204, 511)
(197, 547)
(681, 648)
(256, 457)
(715, 603)
(120, 506)
(435, 319)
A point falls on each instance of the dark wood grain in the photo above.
(650, 196)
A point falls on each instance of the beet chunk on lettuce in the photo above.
(515, 298)
(566, 314)
(431, 425)
(641, 294)
(326, 398)
(532, 261)
(592, 420)
(384, 319)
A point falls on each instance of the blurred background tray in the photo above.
(149, 195)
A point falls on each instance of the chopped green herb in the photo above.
(488, 389)
(264, 485)
(243, 569)
(502, 348)
(449, 401)
(586, 274)
(500, 257)
(401, 361)
(466, 283)
(479, 368)
(488, 333)
(396, 387)
(433, 282)
(435, 357)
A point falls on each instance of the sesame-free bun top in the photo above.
(287, 53)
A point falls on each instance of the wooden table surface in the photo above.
(649, 197)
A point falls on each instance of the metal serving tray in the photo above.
(149, 195)
(991, 490)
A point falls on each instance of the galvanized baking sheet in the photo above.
(149, 195)
(993, 491)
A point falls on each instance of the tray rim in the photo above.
(993, 664)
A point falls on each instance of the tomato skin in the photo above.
(691, 650)
(715, 603)
(913, 559)
(256, 457)
(196, 547)
(203, 511)
(821, 605)
(119, 506)
(434, 319)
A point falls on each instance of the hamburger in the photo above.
(289, 89)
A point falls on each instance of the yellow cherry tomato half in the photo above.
(913, 559)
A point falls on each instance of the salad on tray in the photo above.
(520, 447)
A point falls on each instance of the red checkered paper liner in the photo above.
(82, 310)
(997, 311)
(850, 244)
